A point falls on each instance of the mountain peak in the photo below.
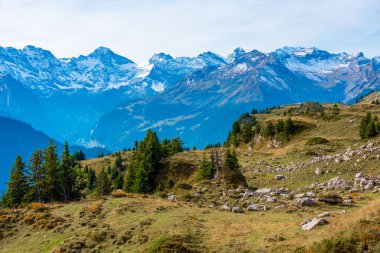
(160, 57)
(106, 54)
(100, 51)
(235, 54)
(211, 58)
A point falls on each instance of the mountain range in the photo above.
(107, 100)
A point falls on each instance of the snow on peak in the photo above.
(211, 58)
(160, 57)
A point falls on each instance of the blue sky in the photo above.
(139, 28)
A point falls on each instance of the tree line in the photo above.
(247, 127)
(45, 178)
(369, 126)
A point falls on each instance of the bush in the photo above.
(169, 183)
(316, 140)
(173, 243)
(184, 186)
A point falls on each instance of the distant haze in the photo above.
(140, 28)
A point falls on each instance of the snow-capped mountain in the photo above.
(104, 99)
(202, 106)
(65, 97)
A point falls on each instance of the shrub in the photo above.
(183, 186)
(316, 140)
(169, 183)
(173, 243)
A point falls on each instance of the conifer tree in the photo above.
(68, 174)
(53, 184)
(91, 179)
(230, 170)
(206, 168)
(79, 183)
(247, 132)
(289, 127)
(103, 183)
(17, 186)
(35, 178)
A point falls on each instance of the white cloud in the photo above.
(138, 29)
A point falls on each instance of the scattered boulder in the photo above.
(304, 201)
(237, 209)
(254, 207)
(263, 191)
(318, 171)
(172, 198)
(331, 199)
(279, 177)
(226, 207)
(324, 214)
(309, 224)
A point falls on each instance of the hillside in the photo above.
(336, 180)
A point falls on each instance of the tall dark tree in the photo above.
(230, 170)
(289, 127)
(68, 174)
(91, 179)
(53, 183)
(35, 177)
(206, 168)
(144, 165)
(17, 186)
(247, 133)
(103, 183)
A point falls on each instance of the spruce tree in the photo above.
(53, 183)
(103, 183)
(79, 183)
(17, 186)
(68, 174)
(35, 178)
(289, 127)
(230, 170)
(91, 179)
(206, 168)
(148, 159)
(247, 133)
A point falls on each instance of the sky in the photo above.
(139, 28)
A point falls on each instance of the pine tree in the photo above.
(103, 183)
(91, 179)
(53, 185)
(130, 176)
(247, 132)
(35, 178)
(79, 183)
(68, 174)
(148, 158)
(371, 129)
(118, 162)
(289, 127)
(79, 156)
(230, 170)
(205, 169)
(17, 186)
(268, 130)
(3, 201)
